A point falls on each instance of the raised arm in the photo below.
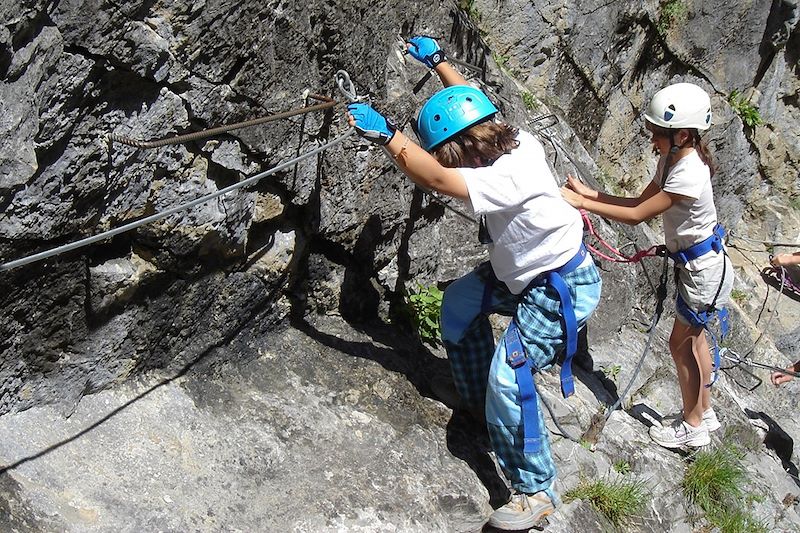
(428, 52)
(416, 163)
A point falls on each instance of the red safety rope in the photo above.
(653, 251)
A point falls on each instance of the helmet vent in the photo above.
(469, 98)
(437, 118)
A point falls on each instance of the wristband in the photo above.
(436, 58)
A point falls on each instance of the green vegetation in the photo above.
(713, 481)
(425, 305)
(746, 110)
(468, 7)
(671, 11)
(622, 466)
(739, 296)
(500, 59)
(618, 500)
(611, 371)
(530, 101)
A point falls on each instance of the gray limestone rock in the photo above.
(249, 359)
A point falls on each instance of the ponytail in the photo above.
(703, 151)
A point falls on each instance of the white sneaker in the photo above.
(522, 512)
(680, 434)
(710, 420)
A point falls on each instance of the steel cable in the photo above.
(158, 216)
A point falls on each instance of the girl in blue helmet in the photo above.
(538, 271)
(681, 192)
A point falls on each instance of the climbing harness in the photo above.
(518, 360)
(714, 242)
(179, 139)
(702, 319)
(554, 279)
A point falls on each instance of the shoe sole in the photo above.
(522, 524)
(694, 443)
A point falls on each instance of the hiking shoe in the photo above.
(710, 420)
(680, 434)
(523, 511)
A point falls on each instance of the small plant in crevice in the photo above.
(739, 296)
(745, 109)
(611, 371)
(500, 59)
(621, 501)
(713, 482)
(468, 7)
(670, 12)
(425, 306)
(530, 101)
(622, 466)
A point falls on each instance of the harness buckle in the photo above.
(516, 359)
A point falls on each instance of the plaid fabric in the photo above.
(480, 371)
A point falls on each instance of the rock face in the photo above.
(245, 364)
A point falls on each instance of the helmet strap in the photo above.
(673, 149)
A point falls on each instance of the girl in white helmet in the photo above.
(681, 192)
(539, 272)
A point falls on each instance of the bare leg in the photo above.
(703, 354)
(689, 350)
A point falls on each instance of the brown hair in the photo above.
(703, 151)
(477, 146)
(697, 142)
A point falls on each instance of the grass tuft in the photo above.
(713, 481)
(621, 501)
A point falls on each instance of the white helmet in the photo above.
(682, 105)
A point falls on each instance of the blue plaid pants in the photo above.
(481, 373)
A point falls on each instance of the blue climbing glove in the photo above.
(370, 124)
(426, 50)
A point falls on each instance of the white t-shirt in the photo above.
(692, 219)
(532, 227)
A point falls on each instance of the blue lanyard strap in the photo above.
(515, 356)
(554, 279)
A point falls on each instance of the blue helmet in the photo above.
(451, 111)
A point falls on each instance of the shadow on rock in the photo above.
(778, 441)
(467, 437)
